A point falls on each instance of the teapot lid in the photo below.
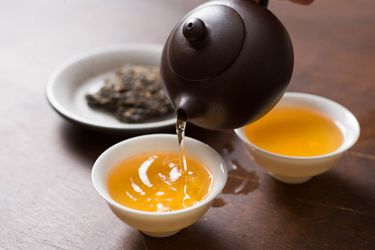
(206, 42)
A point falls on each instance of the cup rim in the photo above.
(316, 98)
(211, 195)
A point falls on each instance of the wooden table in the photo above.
(47, 200)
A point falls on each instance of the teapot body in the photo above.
(236, 73)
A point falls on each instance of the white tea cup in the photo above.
(298, 169)
(159, 224)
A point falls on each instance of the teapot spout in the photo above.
(200, 111)
(187, 108)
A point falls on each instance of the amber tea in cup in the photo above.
(157, 182)
(295, 131)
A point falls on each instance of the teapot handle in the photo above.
(263, 3)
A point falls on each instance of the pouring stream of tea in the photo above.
(180, 131)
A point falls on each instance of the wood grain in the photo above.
(47, 200)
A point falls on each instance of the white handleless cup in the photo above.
(296, 169)
(159, 224)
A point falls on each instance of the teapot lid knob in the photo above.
(194, 30)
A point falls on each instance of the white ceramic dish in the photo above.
(295, 170)
(68, 85)
(159, 224)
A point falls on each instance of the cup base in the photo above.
(290, 180)
(160, 234)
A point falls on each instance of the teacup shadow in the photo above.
(197, 236)
(329, 190)
(85, 144)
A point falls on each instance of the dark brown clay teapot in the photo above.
(227, 63)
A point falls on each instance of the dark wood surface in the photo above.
(46, 197)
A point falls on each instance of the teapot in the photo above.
(226, 63)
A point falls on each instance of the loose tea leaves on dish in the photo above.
(133, 94)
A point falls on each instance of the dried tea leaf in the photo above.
(134, 94)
